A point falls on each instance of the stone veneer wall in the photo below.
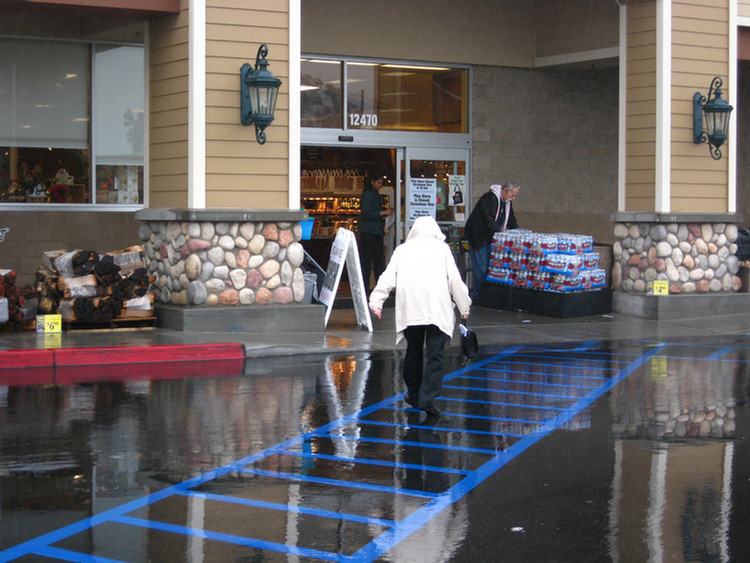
(220, 261)
(693, 257)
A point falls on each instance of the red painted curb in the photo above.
(148, 354)
(30, 358)
(33, 358)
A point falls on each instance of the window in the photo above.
(70, 112)
(384, 96)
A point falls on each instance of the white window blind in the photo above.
(118, 106)
(44, 94)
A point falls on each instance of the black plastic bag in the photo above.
(469, 342)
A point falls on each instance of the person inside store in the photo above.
(428, 284)
(492, 214)
(371, 229)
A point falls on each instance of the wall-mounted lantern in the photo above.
(716, 112)
(259, 89)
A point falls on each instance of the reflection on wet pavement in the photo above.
(591, 452)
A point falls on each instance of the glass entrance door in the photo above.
(433, 182)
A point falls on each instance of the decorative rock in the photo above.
(696, 274)
(230, 259)
(270, 250)
(226, 242)
(694, 229)
(286, 273)
(216, 256)
(689, 262)
(229, 297)
(221, 272)
(176, 270)
(269, 269)
(283, 295)
(663, 249)
(271, 232)
(702, 286)
(658, 232)
(247, 230)
(207, 231)
(677, 255)
(639, 286)
(183, 281)
(701, 246)
(263, 296)
(192, 266)
(298, 285)
(274, 282)
(286, 237)
(212, 299)
(194, 245)
(688, 287)
(254, 279)
(707, 231)
(255, 245)
(207, 270)
(197, 293)
(240, 242)
(731, 232)
(243, 257)
(714, 285)
(238, 277)
(736, 283)
(247, 296)
(255, 261)
(222, 228)
(144, 232)
(215, 285)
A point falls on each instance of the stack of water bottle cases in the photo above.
(546, 262)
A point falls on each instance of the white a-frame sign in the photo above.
(344, 250)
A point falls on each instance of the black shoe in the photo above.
(410, 401)
(432, 411)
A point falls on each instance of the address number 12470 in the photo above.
(363, 120)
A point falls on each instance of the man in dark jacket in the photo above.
(492, 214)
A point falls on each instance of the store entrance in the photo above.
(332, 180)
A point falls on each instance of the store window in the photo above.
(384, 96)
(70, 113)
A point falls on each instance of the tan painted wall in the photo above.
(700, 51)
(239, 171)
(743, 8)
(576, 25)
(168, 110)
(474, 31)
(640, 138)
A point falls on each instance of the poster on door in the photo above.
(422, 198)
(457, 189)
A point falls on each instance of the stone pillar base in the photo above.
(212, 257)
(693, 254)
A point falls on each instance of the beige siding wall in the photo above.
(743, 8)
(561, 29)
(469, 32)
(168, 110)
(239, 171)
(641, 108)
(700, 51)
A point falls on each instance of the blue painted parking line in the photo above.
(530, 382)
(394, 531)
(545, 374)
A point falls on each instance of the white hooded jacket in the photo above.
(427, 281)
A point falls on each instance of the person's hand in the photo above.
(387, 212)
(465, 317)
(375, 311)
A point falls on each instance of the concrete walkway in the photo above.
(493, 327)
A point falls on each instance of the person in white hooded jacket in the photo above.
(428, 283)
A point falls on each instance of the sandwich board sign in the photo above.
(344, 251)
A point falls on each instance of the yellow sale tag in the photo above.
(661, 287)
(49, 323)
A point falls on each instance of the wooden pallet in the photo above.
(118, 323)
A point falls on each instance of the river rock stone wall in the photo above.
(224, 263)
(694, 258)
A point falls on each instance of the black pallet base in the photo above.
(134, 323)
(546, 303)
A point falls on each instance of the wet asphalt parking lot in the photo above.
(627, 451)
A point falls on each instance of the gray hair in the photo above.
(511, 186)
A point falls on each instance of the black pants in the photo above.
(372, 257)
(424, 379)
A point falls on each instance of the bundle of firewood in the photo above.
(83, 285)
(21, 301)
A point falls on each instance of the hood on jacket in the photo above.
(425, 227)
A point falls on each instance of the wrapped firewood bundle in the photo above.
(84, 262)
(90, 309)
(107, 271)
(129, 259)
(79, 286)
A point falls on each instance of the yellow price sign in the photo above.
(661, 287)
(49, 323)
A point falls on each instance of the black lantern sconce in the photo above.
(716, 112)
(259, 89)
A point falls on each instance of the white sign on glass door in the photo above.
(422, 197)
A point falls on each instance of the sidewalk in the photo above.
(493, 327)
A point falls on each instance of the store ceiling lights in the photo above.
(259, 90)
(715, 111)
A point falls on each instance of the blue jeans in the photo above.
(480, 261)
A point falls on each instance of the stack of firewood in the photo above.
(21, 301)
(85, 286)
